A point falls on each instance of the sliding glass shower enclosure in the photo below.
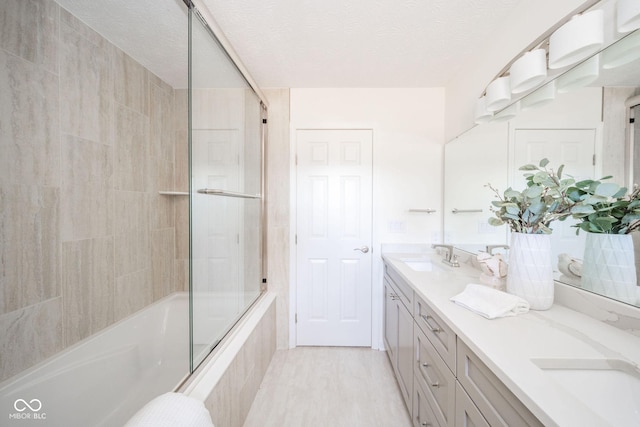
(226, 135)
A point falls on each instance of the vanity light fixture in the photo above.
(482, 115)
(542, 96)
(528, 71)
(576, 40)
(507, 114)
(580, 76)
(498, 94)
(628, 15)
(622, 52)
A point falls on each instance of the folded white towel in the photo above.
(172, 410)
(489, 302)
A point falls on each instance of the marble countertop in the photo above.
(508, 345)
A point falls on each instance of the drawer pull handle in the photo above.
(394, 297)
(423, 423)
(425, 365)
(426, 320)
(436, 384)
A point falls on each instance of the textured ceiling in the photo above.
(358, 43)
(310, 43)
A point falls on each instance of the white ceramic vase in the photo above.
(609, 266)
(530, 270)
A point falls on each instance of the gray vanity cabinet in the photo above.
(443, 382)
(398, 336)
(498, 405)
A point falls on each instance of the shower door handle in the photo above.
(363, 249)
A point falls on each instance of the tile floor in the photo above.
(329, 387)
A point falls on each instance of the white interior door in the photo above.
(334, 201)
(574, 148)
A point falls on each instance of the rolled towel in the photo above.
(490, 303)
(172, 410)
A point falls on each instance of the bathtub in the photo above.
(104, 379)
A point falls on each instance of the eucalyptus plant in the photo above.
(605, 207)
(532, 210)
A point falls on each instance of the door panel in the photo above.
(334, 219)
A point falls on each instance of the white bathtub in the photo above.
(105, 379)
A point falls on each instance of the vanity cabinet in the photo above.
(498, 405)
(444, 384)
(398, 337)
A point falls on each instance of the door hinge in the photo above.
(594, 160)
(296, 315)
(264, 120)
(632, 120)
(296, 238)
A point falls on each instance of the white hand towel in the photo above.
(489, 302)
(172, 410)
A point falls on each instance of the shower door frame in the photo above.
(197, 8)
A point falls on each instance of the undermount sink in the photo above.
(419, 265)
(609, 387)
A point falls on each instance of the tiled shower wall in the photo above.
(87, 139)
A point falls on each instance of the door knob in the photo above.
(363, 249)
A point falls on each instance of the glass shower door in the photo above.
(225, 162)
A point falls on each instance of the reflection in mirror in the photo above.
(472, 160)
(588, 127)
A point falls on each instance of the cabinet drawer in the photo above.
(423, 415)
(435, 378)
(440, 335)
(404, 290)
(467, 414)
(495, 401)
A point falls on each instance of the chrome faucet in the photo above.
(490, 248)
(449, 258)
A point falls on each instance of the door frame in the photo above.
(376, 302)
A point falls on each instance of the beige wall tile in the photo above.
(87, 195)
(132, 292)
(29, 29)
(131, 150)
(162, 265)
(30, 248)
(86, 86)
(278, 217)
(29, 149)
(132, 232)
(132, 83)
(30, 335)
(88, 287)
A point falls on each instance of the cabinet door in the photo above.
(497, 403)
(467, 414)
(405, 352)
(423, 415)
(390, 323)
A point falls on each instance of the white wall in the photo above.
(408, 138)
(532, 20)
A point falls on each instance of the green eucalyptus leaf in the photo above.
(533, 192)
(544, 162)
(495, 221)
(529, 167)
(607, 189)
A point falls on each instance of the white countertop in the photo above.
(507, 345)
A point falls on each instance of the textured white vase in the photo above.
(609, 266)
(530, 270)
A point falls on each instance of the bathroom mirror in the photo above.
(586, 127)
